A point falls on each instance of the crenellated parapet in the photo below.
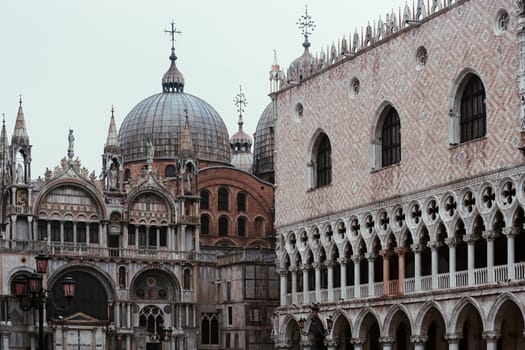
(372, 34)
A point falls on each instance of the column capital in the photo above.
(331, 343)
(306, 342)
(316, 265)
(419, 339)
(453, 338)
(417, 248)
(386, 253)
(293, 269)
(510, 231)
(357, 259)
(370, 256)
(282, 272)
(489, 235)
(305, 267)
(435, 244)
(387, 340)
(330, 264)
(342, 261)
(470, 238)
(452, 242)
(491, 336)
(283, 344)
(358, 341)
(401, 250)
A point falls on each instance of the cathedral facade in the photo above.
(171, 247)
(400, 202)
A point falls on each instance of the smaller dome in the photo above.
(173, 80)
(240, 137)
(303, 66)
(243, 161)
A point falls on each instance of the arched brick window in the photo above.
(241, 226)
(222, 199)
(223, 226)
(205, 199)
(205, 224)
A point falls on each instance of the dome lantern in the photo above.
(173, 80)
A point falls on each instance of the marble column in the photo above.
(387, 342)
(330, 267)
(453, 341)
(317, 267)
(331, 344)
(471, 239)
(305, 268)
(419, 341)
(283, 274)
(371, 257)
(357, 275)
(358, 343)
(342, 263)
(401, 252)
(434, 246)
(293, 271)
(452, 242)
(386, 254)
(490, 236)
(491, 339)
(417, 249)
(510, 232)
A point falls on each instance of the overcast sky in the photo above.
(72, 60)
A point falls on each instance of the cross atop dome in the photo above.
(240, 101)
(306, 25)
(172, 33)
(173, 80)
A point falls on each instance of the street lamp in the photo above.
(329, 324)
(164, 335)
(32, 294)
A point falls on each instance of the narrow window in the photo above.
(93, 233)
(163, 236)
(223, 226)
(473, 118)
(241, 201)
(131, 235)
(205, 199)
(81, 232)
(205, 224)
(187, 279)
(68, 231)
(222, 201)
(390, 139)
(324, 162)
(55, 231)
(42, 230)
(241, 227)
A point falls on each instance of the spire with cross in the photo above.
(172, 33)
(173, 81)
(306, 24)
(240, 101)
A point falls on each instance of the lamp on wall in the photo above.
(301, 323)
(329, 324)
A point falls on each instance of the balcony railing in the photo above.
(76, 250)
(481, 277)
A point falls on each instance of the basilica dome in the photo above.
(160, 119)
(264, 143)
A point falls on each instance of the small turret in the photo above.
(241, 142)
(20, 150)
(112, 159)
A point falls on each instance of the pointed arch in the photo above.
(386, 137)
(393, 317)
(320, 160)
(494, 319)
(458, 314)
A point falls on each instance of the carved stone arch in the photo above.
(314, 237)
(134, 195)
(494, 318)
(373, 242)
(225, 242)
(507, 194)
(340, 321)
(340, 229)
(258, 243)
(419, 232)
(105, 279)
(82, 186)
(458, 312)
(358, 324)
(420, 325)
(516, 216)
(327, 233)
(284, 328)
(389, 323)
(302, 239)
(171, 278)
(495, 219)
(19, 270)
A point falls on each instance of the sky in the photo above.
(73, 60)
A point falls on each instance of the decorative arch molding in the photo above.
(19, 270)
(458, 310)
(389, 322)
(103, 277)
(358, 324)
(171, 277)
(225, 243)
(143, 190)
(285, 325)
(421, 317)
(376, 129)
(494, 317)
(82, 185)
(340, 316)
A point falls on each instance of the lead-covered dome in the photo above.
(160, 119)
(263, 146)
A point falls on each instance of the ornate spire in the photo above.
(240, 103)
(307, 26)
(186, 145)
(4, 155)
(173, 80)
(276, 74)
(20, 136)
(112, 145)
